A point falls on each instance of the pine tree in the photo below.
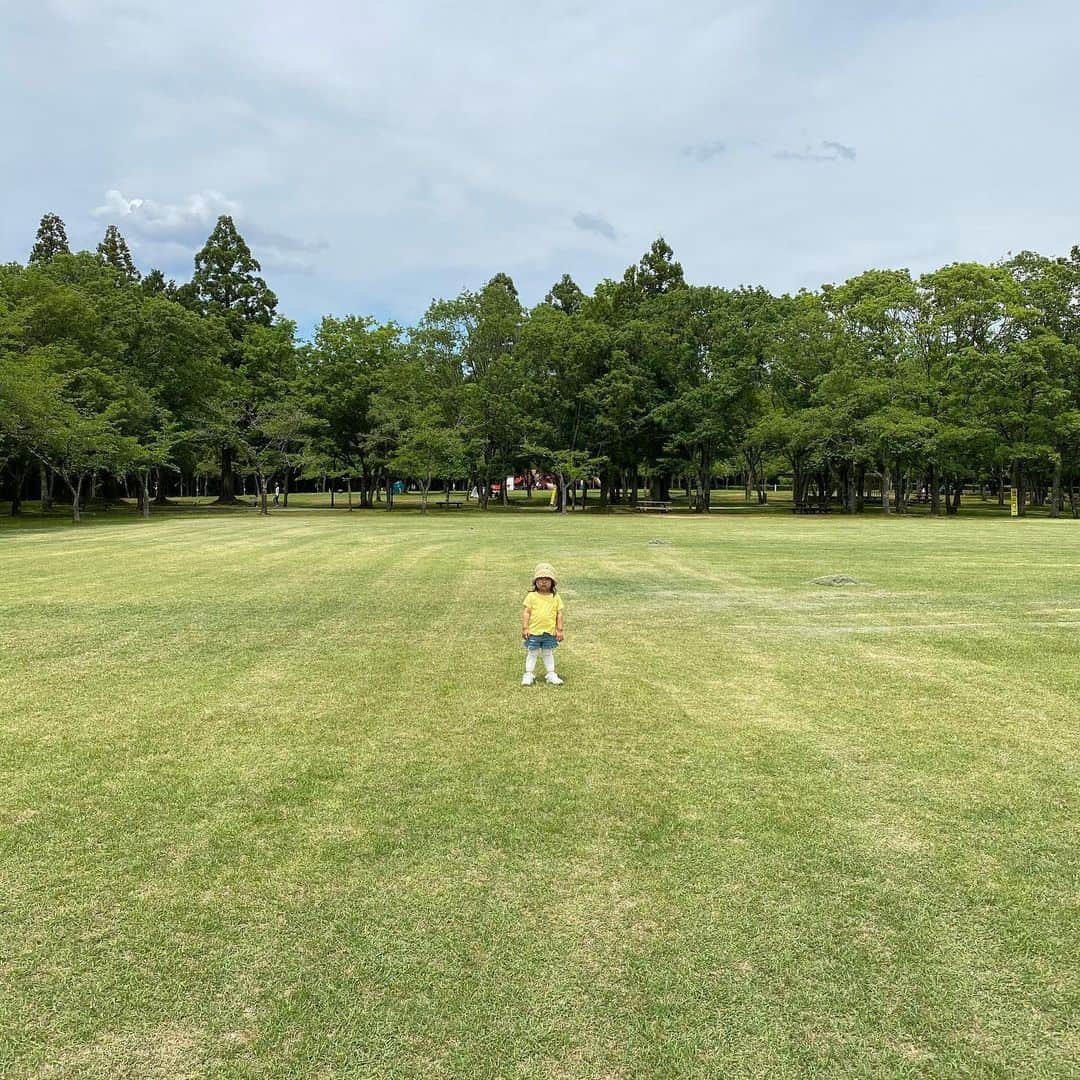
(657, 272)
(154, 284)
(503, 281)
(227, 282)
(51, 240)
(565, 295)
(113, 251)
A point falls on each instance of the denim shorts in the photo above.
(541, 641)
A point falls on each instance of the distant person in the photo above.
(277, 494)
(542, 625)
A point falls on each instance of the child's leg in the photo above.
(549, 660)
(531, 656)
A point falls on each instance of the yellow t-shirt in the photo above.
(543, 607)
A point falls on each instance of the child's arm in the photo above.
(526, 614)
(558, 625)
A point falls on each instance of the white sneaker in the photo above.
(552, 678)
(528, 679)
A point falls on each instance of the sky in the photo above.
(378, 155)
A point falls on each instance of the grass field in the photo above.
(273, 804)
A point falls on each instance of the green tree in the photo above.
(227, 284)
(51, 240)
(113, 251)
(345, 365)
(227, 280)
(565, 296)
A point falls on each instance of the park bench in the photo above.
(646, 506)
(811, 508)
(450, 504)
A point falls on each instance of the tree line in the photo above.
(885, 387)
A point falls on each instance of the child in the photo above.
(542, 625)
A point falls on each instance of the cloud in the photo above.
(170, 228)
(824, 151)
(703, 152)
(846, 152)
(595, 223)
(145, 217)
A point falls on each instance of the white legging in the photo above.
(532, 654)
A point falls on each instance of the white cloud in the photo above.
(149, 218)
(174, 230)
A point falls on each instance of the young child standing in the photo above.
(542, 625)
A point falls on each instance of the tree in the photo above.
(51, 240)
(427, 448)
(113, 251)
(226, 281)
(346, 364)
(264, 438)
(65, 413)
(565, 296)
(226, 284)
(656, 273)
(713, 334)
(467, 347)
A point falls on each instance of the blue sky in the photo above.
(378, 155)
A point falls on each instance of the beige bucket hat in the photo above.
(545, 569)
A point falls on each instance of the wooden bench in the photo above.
(659, 506)
(450, 504)
(811, 508)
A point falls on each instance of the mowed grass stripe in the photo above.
(274, 802)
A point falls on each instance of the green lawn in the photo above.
(274, 804)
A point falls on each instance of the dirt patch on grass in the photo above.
(171, 1051)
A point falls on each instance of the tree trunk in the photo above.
(885, 488)
(76, 497)
(348, 488)
(18, 478)
(935, 496)
(46, 488)
(423, 494)
(824, 488)
(285, 491)
(227, 479)
(144, 492)
(704, 505)
(264, 508)
(1055, 492)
